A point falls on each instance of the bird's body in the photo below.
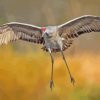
(53, 38)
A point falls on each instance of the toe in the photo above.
(51, 84)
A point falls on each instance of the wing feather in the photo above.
(14, 31)
(78, 26)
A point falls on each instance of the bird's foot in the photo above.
(51, 84)
(72, 80)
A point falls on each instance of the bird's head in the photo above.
(48, 31)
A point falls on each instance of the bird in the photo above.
(56, 38)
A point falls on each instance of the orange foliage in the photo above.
(26, 76)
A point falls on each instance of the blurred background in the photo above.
(25, 69)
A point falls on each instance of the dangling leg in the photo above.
(71, 77)
(52, 60)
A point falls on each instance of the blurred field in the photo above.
(25, 69)
(27, 76)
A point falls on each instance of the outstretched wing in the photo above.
(14, 31)
(78, 26)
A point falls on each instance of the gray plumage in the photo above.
(14, 31)
(53, 38)
(78, 26)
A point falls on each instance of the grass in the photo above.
(26, 76)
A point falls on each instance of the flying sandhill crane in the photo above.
(53, 38)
